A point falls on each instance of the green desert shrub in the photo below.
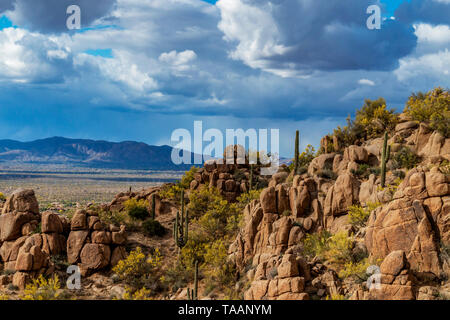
(362, 171)
(349, 134)
(153, 228)
(358, 215)
(327, 174)
(173, 191)
(217, 267)
(444, 167)
(336, 296)
(202, 199)
(176, 277)
(316, 244)
(372, 120)
(304, 159)
(114, 217)
(137, 209)
(335, 249)
(138, 270)
(432, 107)
(246, 198)
(399, 174)
(405, 158)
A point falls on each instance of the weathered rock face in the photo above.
(413, 222)
(436, 147)
(344, 193)
(405, 231)
(396, 281)
(20, 209)
(95, 256)
(321, 162)
(20, 249)
(91, 244)
(21, 201)
(356, 154)
(23, 250)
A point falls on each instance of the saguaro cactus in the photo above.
(192, 294)
(384, 159)
(153, 206)
(180, 228)
(297, 152)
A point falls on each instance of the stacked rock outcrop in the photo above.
(93, 245)
(231, 175)
(413, 218)
(29, 240)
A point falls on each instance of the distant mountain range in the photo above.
(89, 153)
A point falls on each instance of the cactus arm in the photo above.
(153, 206)
(186, 228)
(384, 156)
(388, 155)
(296, 155)
(195, 296)
(175, 229)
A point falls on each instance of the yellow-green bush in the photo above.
(2, 197)
(214, 215)
(315, 244)
(43, 289)
(194, 250)
(202, 199)
(113, 217)
(173, 192)
(335, 249)
(405, 158)
(347, 135)
(216, 265)
(432, 107)
(137, 209)
(336, 296)
(214, 223)
(355, 269)
(141, 294)
(371, 121)
(339, 248)
(137, 270)
(358, 215)
(304, 159)
(374, 118)
(246, 198)
(444, 167)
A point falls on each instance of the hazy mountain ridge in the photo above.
(90, 153)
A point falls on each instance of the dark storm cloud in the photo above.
(50, 16)
(318, 35)
(6, 5)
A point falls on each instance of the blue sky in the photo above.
(139, 70)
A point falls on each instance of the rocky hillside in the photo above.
(367, 217)
(408, 232)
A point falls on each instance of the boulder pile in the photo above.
(30, 239)
(230, 175)
(406, 231)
